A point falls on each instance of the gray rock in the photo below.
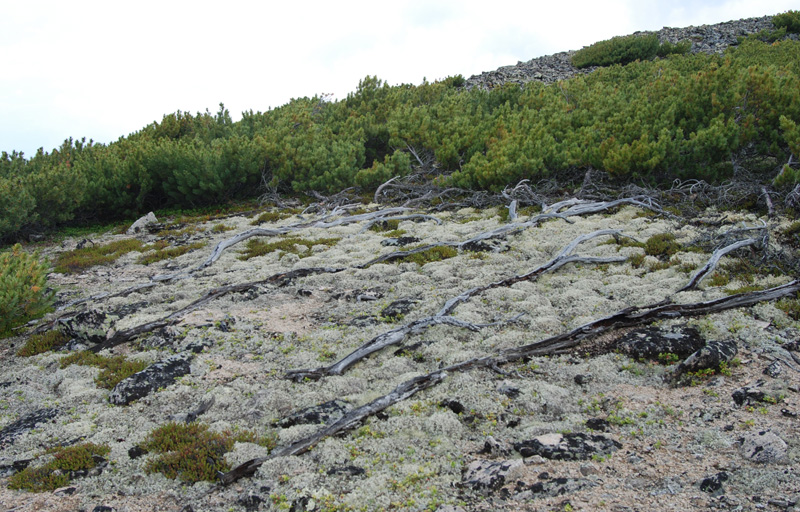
(140, 225)
(650, 342)
(90, 326)
(318, 414)
(547, 486)
(764, 446)
(711, 356)
(11, 432)
(774, 369)
(155, 376)
(571, 446)
(487, 475)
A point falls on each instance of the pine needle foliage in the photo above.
(23, 288)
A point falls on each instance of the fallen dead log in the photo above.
(629, 317)
(712, 262)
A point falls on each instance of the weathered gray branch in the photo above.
(712, 262)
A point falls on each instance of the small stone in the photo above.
(583, 379)
(485, 475)
(571, 446)
(588, 469)
(773, 370)
(713, 484)
(764, 446)
(141, 225)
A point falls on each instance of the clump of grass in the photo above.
(41, 343)
(163, 253)
(221, 228)
(745, 289)
(662, 245)
(290, 245)
(395, 233)
(112, 369)
(790, 306)
(78, 260)
(178, 230)
(192, 453)
(719, 279)
(437, 253)
(636, 260)
(58, 472)
(269, 217)
(385, 225)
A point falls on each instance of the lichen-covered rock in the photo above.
(651, 342)
(317, 414)
(714, 354)
(571, 446)
(90, 326)
(547, 486)
(487, 475)
(713, 484)
(28, 422)
(140, 225)
(764, 446)
(155, 376)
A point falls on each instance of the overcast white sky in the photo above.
(105, 69)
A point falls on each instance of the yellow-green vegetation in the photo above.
(23, 292)
(57, 472)
(662, 245)
(791, 307)
(438, 253)
(289, 245)
(112, 369)
(221, 228)
(41, 343)
(178, 230)
(745, 289)
(163, 253)
(78, 260)
(395, 233)
(269, 217)
(192, 452)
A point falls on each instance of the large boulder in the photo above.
(141, 225)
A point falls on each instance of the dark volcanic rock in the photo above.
(347, 471)
(155, 376)
(711, 356)
(713, 484)
(547, 486)
(774, 369)
(572, 446)
(648, 343)
(398, 308)
(399, 242)
(317, 414)
(9, 433)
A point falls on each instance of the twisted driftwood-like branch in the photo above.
(397, 335)
(712, 262)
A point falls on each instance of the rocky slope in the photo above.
(552, 68)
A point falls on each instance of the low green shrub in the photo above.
(192, 453)
(112, 369)
(163, 253)
(23, 293)
(290, 245)
(41, 343)
(57, 472)
(438, 253)
(78, 260)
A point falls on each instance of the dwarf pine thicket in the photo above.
(681, 116)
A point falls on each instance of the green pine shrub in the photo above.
(23, 293)
(617, 50)
(790, 20)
